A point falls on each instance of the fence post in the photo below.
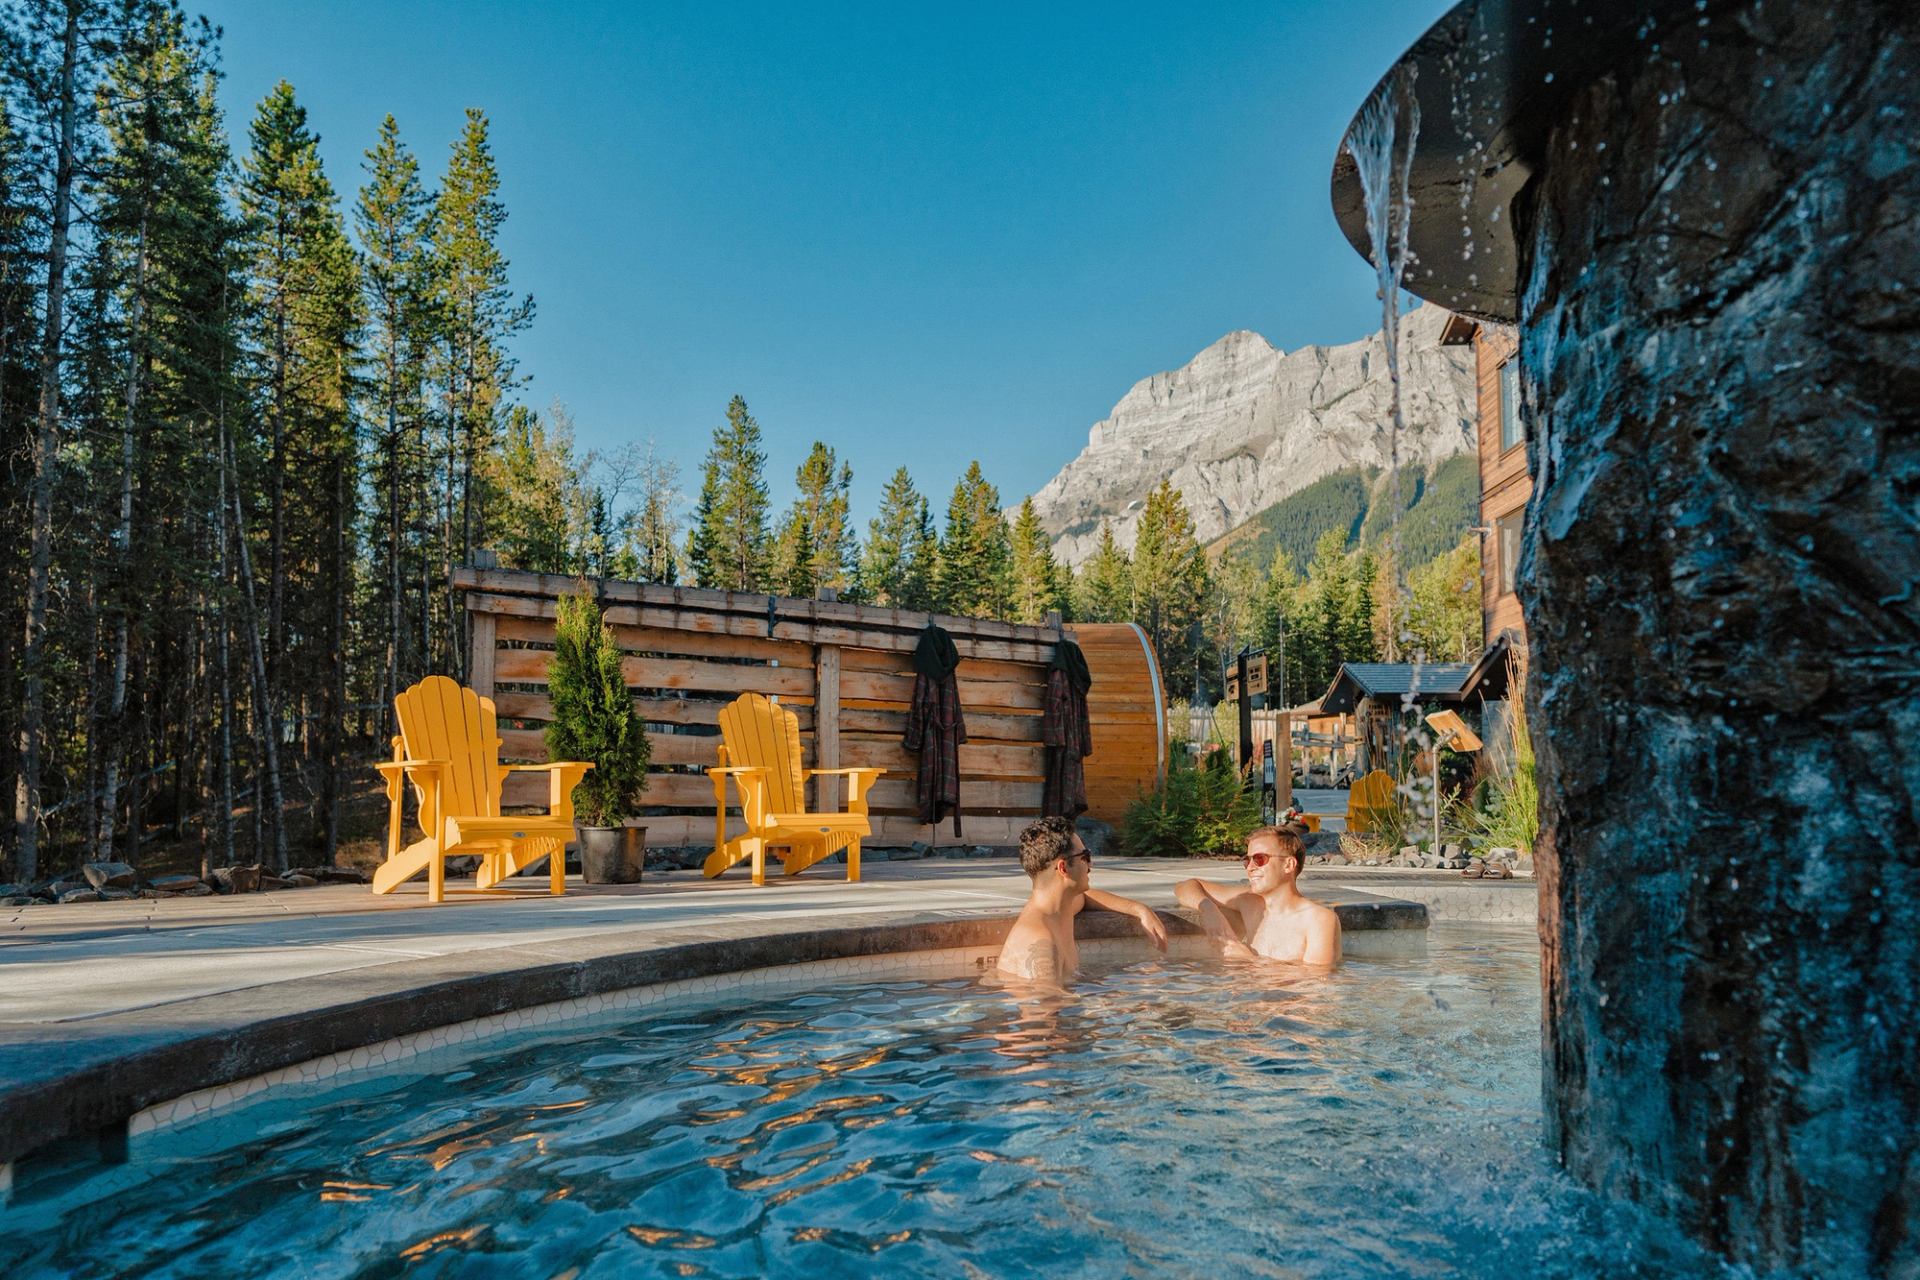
(826, 718)
(480, 649)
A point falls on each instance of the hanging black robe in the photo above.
(935, 727)
(1066, 732)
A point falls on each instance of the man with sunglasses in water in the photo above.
(1041, 947)
(1271, 918)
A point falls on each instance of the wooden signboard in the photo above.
(1233, 688)
(1256, 674)
(1453, 731)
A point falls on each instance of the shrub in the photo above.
(593, 717)
(1199, 809)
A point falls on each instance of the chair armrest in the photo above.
(562, 777)
(862, 781)
(752, 782)
(408, 766)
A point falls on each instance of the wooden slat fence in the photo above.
(845, 670)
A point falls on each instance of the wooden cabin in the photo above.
(1375, 695)
(846, 671)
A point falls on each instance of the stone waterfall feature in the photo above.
(1704, 219)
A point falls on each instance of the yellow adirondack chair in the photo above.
(761, 753)
(1369, 795)
(449, 749)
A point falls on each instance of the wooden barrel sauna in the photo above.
(1127, 709)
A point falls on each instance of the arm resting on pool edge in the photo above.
(1218, 912)
(1149, 922)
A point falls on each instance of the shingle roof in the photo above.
(1437, 682)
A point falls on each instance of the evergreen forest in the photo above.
(255, 414)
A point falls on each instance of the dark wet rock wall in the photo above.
(1720, 332)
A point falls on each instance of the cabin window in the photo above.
(1510, 433)
(1507, 531)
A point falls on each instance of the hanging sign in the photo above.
(1257, 674)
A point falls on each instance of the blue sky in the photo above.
(922, 234)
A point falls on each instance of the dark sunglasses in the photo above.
(1082, 854)
(1260, 859)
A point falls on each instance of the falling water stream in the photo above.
(1381, 143)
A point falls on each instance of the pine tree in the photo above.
(896, 566)
(652, 528)
(53, 65)
(304, 320)
(974, 573)
(728, 545)
(538, 507)
(814, 547)
(1035, 574)
(478, 313)
(1104, 590)
(1170, 582)
(391, 219)
(702, 555)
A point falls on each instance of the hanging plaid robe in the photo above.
(1066, 733)
(935, 727)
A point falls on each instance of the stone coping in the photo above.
(79, 1076)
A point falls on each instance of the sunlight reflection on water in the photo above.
(1170, 1117)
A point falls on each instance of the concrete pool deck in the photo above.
(107, 1009)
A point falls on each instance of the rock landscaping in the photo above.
(1489, 864)
(118, 882)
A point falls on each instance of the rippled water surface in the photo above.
(1169, 1117)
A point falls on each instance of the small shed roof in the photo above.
(1436, 682)
(1445, 683)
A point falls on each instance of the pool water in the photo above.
(1168, 1117)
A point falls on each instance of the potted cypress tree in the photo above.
(593, 719)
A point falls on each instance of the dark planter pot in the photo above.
(611, 855)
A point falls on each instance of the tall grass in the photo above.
(1511, 817)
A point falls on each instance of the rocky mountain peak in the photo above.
(1244, 424)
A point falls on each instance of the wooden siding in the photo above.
(689, 652)
(1505, 484)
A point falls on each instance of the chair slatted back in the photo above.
(760, 732)
(442, 720)
(1369, 794)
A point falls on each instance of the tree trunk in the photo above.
(276, 490)
(267, 723)
(120, 744)
(26, 800)
(221, 642)
(335, 703)
(392, 686)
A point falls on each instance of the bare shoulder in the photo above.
(1030, 951)
(1324, 915)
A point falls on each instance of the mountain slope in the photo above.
(1439, 508)
(1243, 425)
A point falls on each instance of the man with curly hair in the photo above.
(1041, 947)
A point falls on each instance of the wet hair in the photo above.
(1044, 843)
(1291, 845)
